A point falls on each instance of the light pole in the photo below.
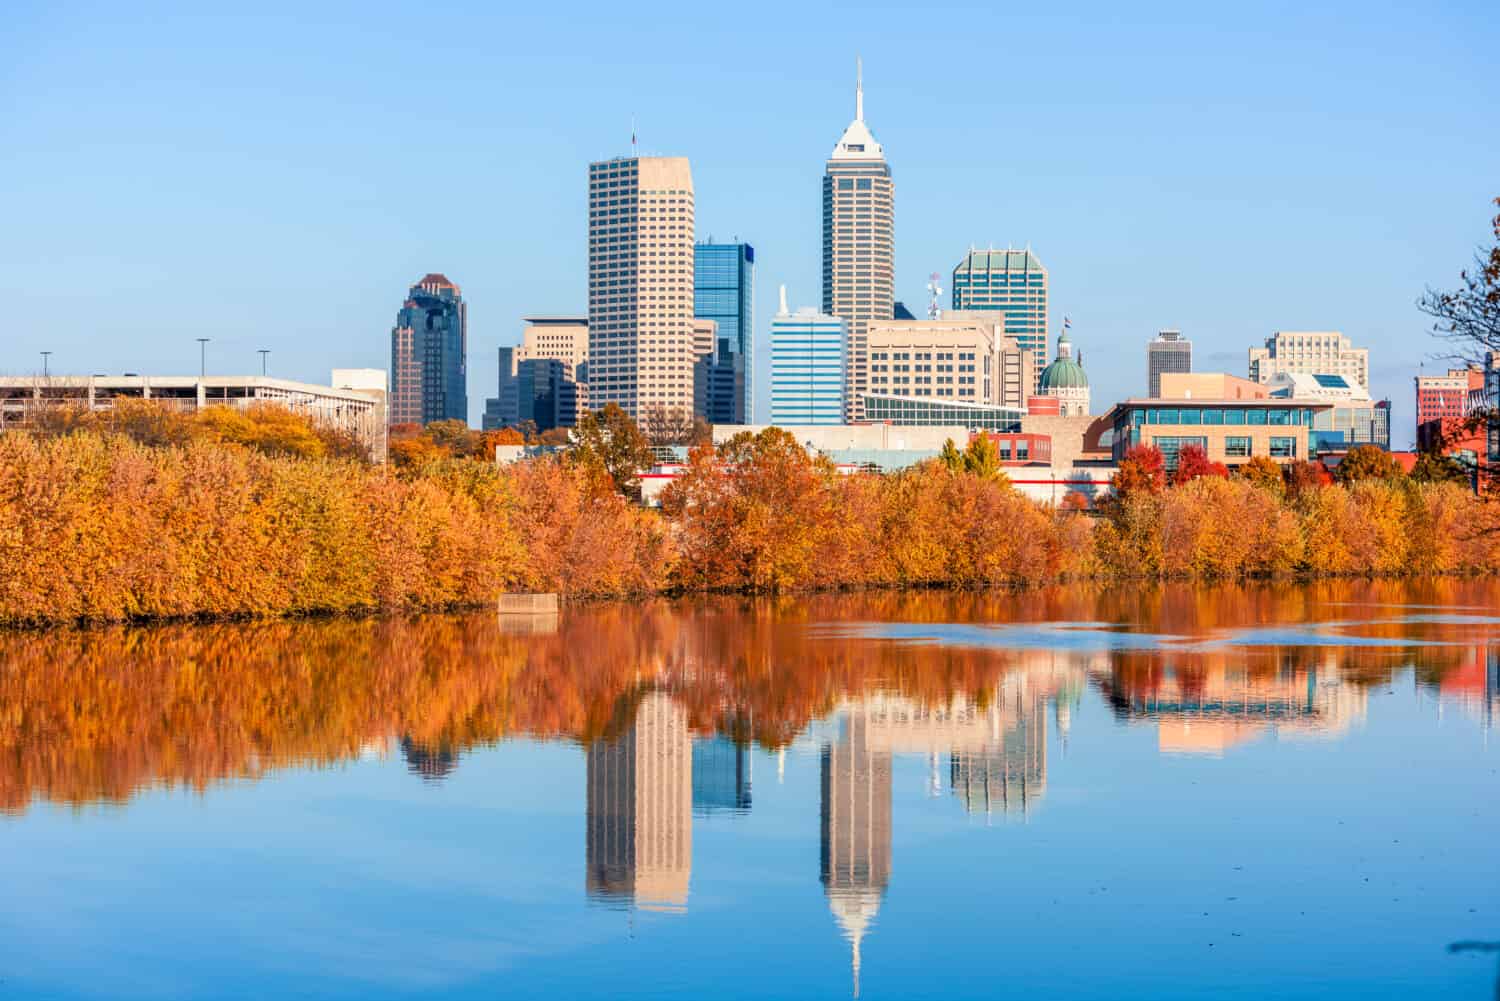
(45, 370)
(202, 358)
(263, 352)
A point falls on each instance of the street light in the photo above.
(202, 357)
(45, 370)
(263, 352)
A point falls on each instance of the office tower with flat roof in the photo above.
(859, 244)
(1168, 352)
(641, 284)
(963, 356)
(565, 338)
(724, 291)
(1013, 283)
(639, 838)
(1452, 395)
(807, 367)
(1311, 352)
(429, 354)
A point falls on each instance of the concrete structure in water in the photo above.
(1168, 352)
(429, 355)
(641, 348)
(355, 404)
(1310, 352)
(859, 245)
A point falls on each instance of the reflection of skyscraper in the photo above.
(855, 831)
(640, 802)
(433, 762)
(721, 776)
(1010, 775)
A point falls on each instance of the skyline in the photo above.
(1292, 186)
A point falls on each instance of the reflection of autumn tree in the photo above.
(98, 715)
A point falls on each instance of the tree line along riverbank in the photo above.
(152, 515)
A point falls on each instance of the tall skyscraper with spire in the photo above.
(859, 243)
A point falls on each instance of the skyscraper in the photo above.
(1311, 352)
(1013, 283)
(724, 291)
(639, 838)
(859, 244)
(1169, 352)
(807, 367)
(429, 354)
(641, 284)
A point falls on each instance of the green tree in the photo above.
(611, 441)
(982, 459)
(1368, 462)
(951, 458)
(1434, 467)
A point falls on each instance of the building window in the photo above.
(1237, 448)
(1283, 448)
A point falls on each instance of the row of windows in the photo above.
(1214, 415)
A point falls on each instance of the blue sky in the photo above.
(276, 177)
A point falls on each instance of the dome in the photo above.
(1064, 373)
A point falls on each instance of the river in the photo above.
(1279, 790)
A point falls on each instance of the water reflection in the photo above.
(95, 716)
(662, 708)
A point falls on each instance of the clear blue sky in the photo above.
(276, 178)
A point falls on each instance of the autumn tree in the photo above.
(1262, 471)
(663, 425)
(609, 440)
(1143, 470)
(1300, 477)
(1368, 462)
(1193, 463)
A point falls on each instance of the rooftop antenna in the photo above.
(935, 291)
(634, 147)
(859, 89)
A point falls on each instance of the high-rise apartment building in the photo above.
(1169, 352)
(1014, 283)
(641, 284)
(429, 354)
(1311, 352)
(807, 367)
(639, 838)
(724, 291)
(859, 244)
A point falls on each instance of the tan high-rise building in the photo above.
(640, 329)
(964, 356)
(564, 338)
(1310, 352)
(859, 245)
(640, 809)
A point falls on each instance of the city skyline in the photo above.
(324, 226)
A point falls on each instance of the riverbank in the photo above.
(100, 528)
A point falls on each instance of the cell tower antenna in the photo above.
(935, 292)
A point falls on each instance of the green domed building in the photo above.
(1065, 380)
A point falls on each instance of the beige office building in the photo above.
(1310, 352)
(859, 246)
(640, 327)
(963, 356)
(564, 338)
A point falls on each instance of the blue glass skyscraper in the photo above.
(724, 291)
(429, 355)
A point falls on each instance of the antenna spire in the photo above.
(859, 89)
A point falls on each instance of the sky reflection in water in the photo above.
(1155, 793)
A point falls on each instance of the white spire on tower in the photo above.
(783, 300)
(859, 89)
